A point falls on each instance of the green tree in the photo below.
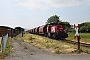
(82, 29)
(85, 27)
(53, 19)
(67, 24)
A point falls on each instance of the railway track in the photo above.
(76, 43)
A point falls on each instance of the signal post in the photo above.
(77, 35)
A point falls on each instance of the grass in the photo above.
(70, 36)
(51, 44)
(7, 50)
(25, 47)
(85, 37)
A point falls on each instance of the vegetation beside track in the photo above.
(8, 49)
(85, 37)
(54, 46)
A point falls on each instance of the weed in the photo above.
(31, 53)
(77, 51)
(58, 52)
(25, 47)
(20, 43)
(30, 38)
(56, 47)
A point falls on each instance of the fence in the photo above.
(3, 42)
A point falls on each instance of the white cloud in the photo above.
(61, 3)
(88, 2)
(33, 4)
(43, 4)
(15, 0)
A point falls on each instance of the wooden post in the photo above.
(78, 43)
(22, 34)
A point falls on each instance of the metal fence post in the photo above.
(4, 42)
(1, 44)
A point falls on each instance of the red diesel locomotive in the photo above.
(50, 30)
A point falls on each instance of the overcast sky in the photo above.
(32, 13)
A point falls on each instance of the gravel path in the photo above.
(33, 53)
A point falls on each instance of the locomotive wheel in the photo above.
(55, 36)
(45, 35)
(49, 35)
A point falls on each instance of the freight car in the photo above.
(51, 30)
(37, 30)
(10, 31)
(18, 30)
(32, 31)
(42, 29)
(5, 30)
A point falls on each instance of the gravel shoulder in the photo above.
(25, 51)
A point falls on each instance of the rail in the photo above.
(74, 42)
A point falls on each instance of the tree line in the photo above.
(84, 27)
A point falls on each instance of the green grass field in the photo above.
(85, 37)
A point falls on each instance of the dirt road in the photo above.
(25, 51)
